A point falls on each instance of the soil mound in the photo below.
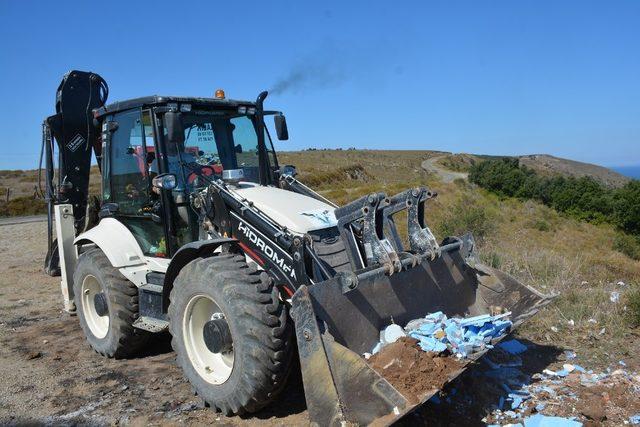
(412, 371)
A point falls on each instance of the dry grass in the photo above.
(24, 197)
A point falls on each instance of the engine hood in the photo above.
(298, 213)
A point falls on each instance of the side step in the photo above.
(150, 324)
(151, 318)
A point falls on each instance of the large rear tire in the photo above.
(242, 360)
(107, 306)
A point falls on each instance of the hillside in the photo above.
(543, 164)
(549, 165)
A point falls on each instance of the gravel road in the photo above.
(431, 165)
(12, 220)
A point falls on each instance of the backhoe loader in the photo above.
(199, 231)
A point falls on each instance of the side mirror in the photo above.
(288, 170)
(238, 149)
(165, 181)
(175, 130)
(281, 127)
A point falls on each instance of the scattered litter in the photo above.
(614, 297)
(560, 373)
(513, 346)
(571, 323)
(602, 331)
(554, 329)
(592, 320)
(621, 283)
(539, 420)
(621, 363)
(551, 398)
(437, 333)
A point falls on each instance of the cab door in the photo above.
(127, 184)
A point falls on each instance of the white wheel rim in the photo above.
(215, 368)
(99, 325)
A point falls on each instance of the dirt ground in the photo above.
(50, 375)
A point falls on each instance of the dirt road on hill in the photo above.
(431, 165)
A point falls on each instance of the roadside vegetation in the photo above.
(581, 198)
(24, 196)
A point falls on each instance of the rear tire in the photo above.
(111, 334)
(254, 366)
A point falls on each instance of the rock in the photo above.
(34, 355)
(594, 411)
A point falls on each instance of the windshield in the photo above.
(215, 141)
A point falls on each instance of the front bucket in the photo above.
(335, 327)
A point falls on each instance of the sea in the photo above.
(630, 171)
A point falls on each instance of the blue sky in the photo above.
(492, 77)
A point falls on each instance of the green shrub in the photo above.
(628, 245)
(468, 215)
(582, 198)
(492, 259)
(626, 202)
(20, 206)
(541, 225)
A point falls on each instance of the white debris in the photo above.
(614, 297)
(392, 333)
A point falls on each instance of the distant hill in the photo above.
(550, 165)
(544, 164)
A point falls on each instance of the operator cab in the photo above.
(192, 141)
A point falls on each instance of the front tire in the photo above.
(242, 361)
(107, 306)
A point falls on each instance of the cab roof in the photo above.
(157, 100)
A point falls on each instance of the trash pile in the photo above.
(565, 397)
(437, 333)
